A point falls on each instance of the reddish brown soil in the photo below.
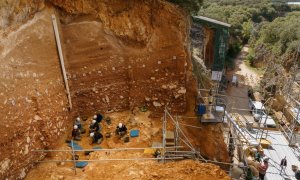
(127, 60)
(135, 170)
(33, 103)
(119, 55)
(150, 131)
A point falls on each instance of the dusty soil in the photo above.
(245, 75)
(125, 58)
(187, 169)
(119, 55)
(33, 104)
(150, 131)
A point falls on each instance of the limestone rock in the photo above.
(37, 118)
(182, 90)
(156, 104)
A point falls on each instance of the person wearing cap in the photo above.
(98, 117)
(237, 171)
(97, 137)
(121, 129)
(263, 167)
(76, 133)
(283, 164)
(78, 122)
(94, 127)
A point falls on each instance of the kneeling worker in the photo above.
(94, 127)
(121, 129)
(78, 123)
(76, 133)
(98, 117)
(96, 137)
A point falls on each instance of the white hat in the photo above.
(75, 127)
(266, 159)
(78, 119)
(93, 121)
(120, 125)
(95, 117)
(92, 134)
(241, 164)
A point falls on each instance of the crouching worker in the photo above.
(97, 137)
(78, 123)
(121, 129)
(76, 133)
(94, 127)
(98, 117)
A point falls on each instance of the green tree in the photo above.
(247, 30)
(191, 6)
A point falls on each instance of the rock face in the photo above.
(119, 54)
(127, 49)
(32, 98)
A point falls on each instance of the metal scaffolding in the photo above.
(292, 92)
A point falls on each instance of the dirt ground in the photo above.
(187, 169)
(245, 74)
(116, 58)
(247, 78)
(150, 131)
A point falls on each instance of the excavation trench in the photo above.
(118, 59)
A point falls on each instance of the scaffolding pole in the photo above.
(120, 159)
(118, 149)
(61, 58)
(164, 135)
(73, 156)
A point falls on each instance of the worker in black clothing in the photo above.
(97, 137)
(121, 129)
(94, 127)
(76, 133)
(283, 164)
(98, 117)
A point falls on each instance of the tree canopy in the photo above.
(191, 6)
(279, 36)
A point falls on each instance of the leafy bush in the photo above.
(191, 6)
(250, 58)
(282, 35)
(249, 19)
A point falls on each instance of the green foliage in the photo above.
(249, 19)
(250, 57)
(281, 35)
(247, 30)
(191, 6)
(234, 49)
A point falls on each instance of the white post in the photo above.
(61, 58)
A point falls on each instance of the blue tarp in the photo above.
(134, 133)
(81, 164)
(75, 146)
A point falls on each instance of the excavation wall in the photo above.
(122, 54)
(32, 97)
(119, 54)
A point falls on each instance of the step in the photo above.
(170, 135)
(170, 144)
